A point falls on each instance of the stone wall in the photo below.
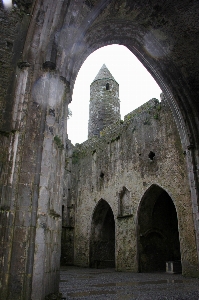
(61, 35)
(14, 27)
(120, 167)
(13, 237)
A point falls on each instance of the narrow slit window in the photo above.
(151, 155)
(107, 86)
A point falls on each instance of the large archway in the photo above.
(102, 238)
(61, 34)
(127, 69)
(158, 231)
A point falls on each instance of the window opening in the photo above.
(151, 155)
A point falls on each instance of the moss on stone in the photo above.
(75, 157)
(4, 208)
(58, 142)
(115, 139)
(147, 121)
(7, 133)
(156, 116)
(54, 214)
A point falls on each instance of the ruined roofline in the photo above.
(142, 108)
(111, 133)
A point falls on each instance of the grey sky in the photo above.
(136, 86)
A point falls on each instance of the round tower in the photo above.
(104, 107)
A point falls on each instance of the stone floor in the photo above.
(81, 283)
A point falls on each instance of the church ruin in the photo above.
(127, 190)
(54, 195)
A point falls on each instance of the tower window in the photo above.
(151, 155)
(107, 86)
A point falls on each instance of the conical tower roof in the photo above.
(104, 73)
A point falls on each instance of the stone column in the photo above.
(50, 92)
(15, 201)
(31, 238)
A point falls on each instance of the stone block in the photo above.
(24, 196)
(173, 267)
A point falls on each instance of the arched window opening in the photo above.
(158, 231)
(107, 86)
(102, 239)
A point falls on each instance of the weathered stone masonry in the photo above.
(104, 108)
(44, 43)
(120, 163)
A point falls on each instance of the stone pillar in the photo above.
(50, 91)
(15, 201)
(32, 196)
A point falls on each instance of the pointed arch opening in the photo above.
(102, 238)
(158, 237)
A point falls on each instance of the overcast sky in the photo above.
(136, 86)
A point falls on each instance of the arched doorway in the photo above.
(157, 231)
(102, 239)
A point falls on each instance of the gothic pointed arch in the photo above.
(102, 237)
(60, 35)
(158, 237)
